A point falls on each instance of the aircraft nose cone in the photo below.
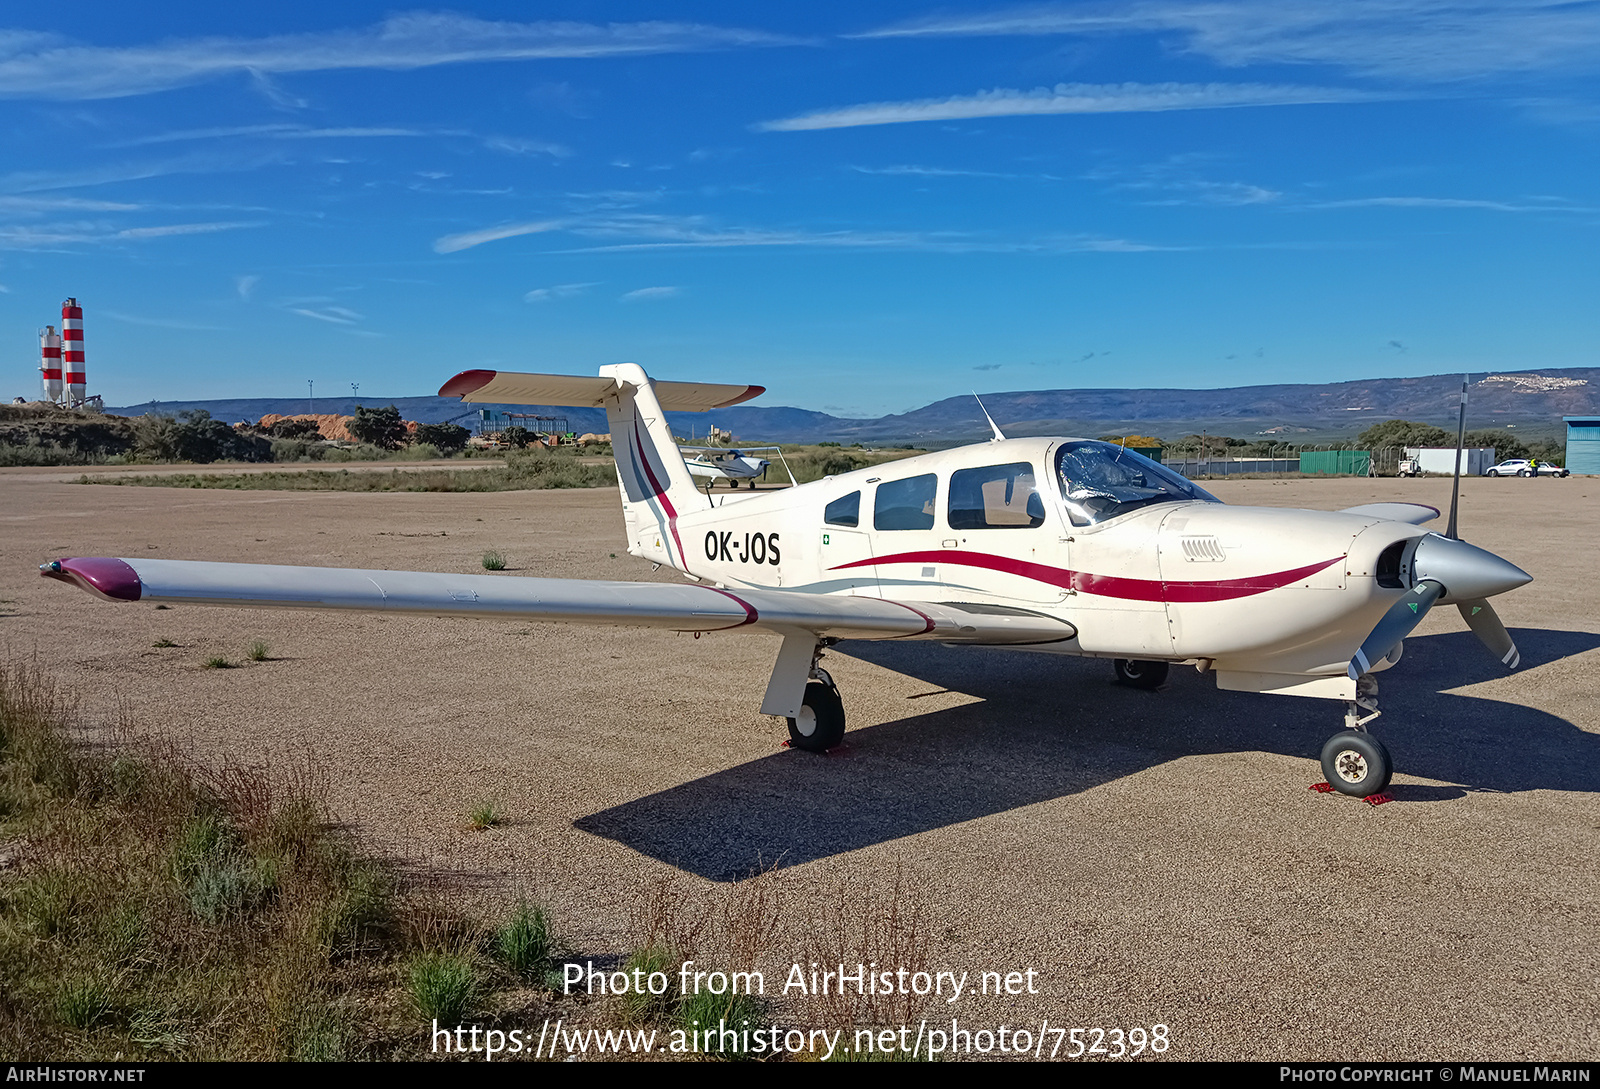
(1466, 571)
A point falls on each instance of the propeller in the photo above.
(1445, 564)
(1485, 624)
(1397, 623)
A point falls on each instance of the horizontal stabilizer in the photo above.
(577, 391)
(1415, 513)
(675, 606)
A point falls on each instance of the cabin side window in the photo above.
(905, 504)
(844, 512)
(995, 497)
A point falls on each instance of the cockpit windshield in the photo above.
(1100, 481)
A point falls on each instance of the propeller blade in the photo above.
(1485, 624)
(1455, 485)
(1397, 623)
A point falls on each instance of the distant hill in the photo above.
(1533, 401)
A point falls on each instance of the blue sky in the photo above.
(862, 207)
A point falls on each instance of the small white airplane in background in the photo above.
(712, 464)
(1055, 545)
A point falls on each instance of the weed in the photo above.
(524, 943)
(162, 644)
(218, 662)
(444, 986)
(83, 1002)
(493, 561)
(703, 1010)
(155, 1030)
(485, 815)
(636, 1008)
(257, 651)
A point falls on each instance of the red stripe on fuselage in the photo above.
(1107, 585)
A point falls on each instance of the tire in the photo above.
(820, 726)
(1492, 472)
(1356, 764)
(1524, 472)
(1140, 674)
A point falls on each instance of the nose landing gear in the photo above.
(1355, 762)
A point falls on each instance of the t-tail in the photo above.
(655, 483)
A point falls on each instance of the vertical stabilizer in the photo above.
(655, 483)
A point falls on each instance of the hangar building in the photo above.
(1583, 444)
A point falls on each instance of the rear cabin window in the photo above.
(905, 504)
(844, 512)
(995, 497)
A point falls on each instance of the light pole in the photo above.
(311, 398)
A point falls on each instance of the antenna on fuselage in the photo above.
(992, 425)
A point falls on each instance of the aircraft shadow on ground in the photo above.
(1047, 727)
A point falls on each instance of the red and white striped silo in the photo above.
(72, 351)
(50, 363)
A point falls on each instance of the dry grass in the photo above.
(155, 908)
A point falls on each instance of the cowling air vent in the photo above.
(1203, 550)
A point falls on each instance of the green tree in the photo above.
(295, 429)
(1404, 433)
(382, 427)
(1505, 443)
(447, 437)
(516, 437)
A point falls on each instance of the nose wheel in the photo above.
(1355, 762)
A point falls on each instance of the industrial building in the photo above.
(1583, 444)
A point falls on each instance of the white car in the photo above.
(1523, 467)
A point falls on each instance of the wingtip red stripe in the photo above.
(467, 382)
(749, 393)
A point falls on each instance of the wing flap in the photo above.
(514, 388)
(679, 607)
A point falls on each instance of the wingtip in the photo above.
(467, 382)
(109, 578)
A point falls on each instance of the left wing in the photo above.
(1415, 513)
(675, 606)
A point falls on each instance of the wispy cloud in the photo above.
(454, 243)
(647, 293)
(1070, 98)
(56, 235)
(1450, 202)
(33, 181)
(169, 229)
(911, 170)
(245, 285)
(1179, 179)
(559, 291)
(1409, 40)
(336, 315)
(158, 323)
(63, 204)
(518, 145)
(37, 66)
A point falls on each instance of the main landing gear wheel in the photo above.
(1137, 674)
(820, 725)
(1356, 763)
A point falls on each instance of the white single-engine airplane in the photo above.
(1057, 545)
(713, 464)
